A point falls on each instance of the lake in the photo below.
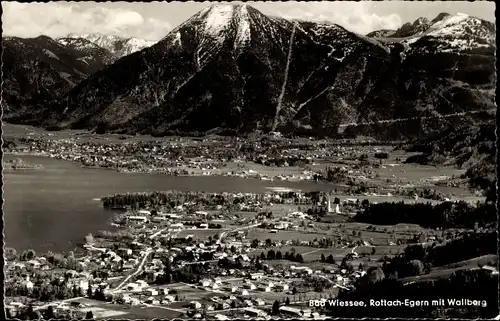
(54, 208)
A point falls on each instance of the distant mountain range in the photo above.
(37, 71)
(231, 68)
(115, 45)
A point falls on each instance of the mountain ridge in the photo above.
(224, 68)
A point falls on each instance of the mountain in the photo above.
(451, 33)
(232, 68)
(118, 46)
(86, 46)
(39, 70)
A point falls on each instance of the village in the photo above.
(373, 169)
(214, 262)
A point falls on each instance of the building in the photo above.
(151, 292)
(195, 304)
(136, 218)
(249, 286)
(256, 276)
(281, 287)
(264, 288)
(296, 312)
(259, 301)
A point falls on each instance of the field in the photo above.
(105, 310)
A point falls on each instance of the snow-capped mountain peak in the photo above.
(449, 32)
(119, 46)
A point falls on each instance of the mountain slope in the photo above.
(38, 70)
(232, 67)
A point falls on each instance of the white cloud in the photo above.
(354, 16)
(58, 19)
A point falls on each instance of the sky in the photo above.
(153, 20)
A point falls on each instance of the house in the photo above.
(28, 284)
(142, 283)
(158, 219)
(143, 212)
(259, 301)
(133, 287)
(234, 289)
(295, 311)
(264, 288)
(135, 218)
(248, 303)
(34, 264)
(204, 225)
(256, 276)
(249, 286)
(169, 298)
(221, 317)
(254, 312)
(205, 282)
(195, 304)
(215, 286)
(151, 292)
(244, 292)
(269, 284)
(281, 287)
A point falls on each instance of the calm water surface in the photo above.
(54, 208)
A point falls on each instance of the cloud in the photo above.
(354, 16)
(58, 19)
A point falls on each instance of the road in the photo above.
(141, 265)
(138, 269)
(311, 252)
(335, 284)
(204, 288)
(55, 303)
(164, 307)
(223, 234)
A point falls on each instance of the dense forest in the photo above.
(444, 215)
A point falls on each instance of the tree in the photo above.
(89, 291)
(276, 308)
(89, 239)
(50, 313)
(374, 250)
(279, 256)
(271, 255)
(323, 259)
(287, 301)
(417, 267)
(10, 254)
(89, 315)
(28, 255)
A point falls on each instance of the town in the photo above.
(216, 256)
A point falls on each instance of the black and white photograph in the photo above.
(249, 160)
